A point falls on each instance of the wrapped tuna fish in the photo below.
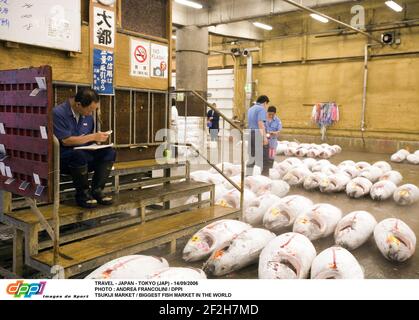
(320, 165)
(354, 229)
(336, 263)
(347, 163)
(296, 176)
(395, 240)
(309, 162)
(393, 176)
(371, 173)
(383, 165)
(220, 192)
(406, 194)
(361, 165)
(232, 199)
(230, 169)
(313, 180)
(284, 212)
(334, 183)
(330, 169)
(280, 149)
(293, 162)
(326, 153)
(290, 151)
(129, 267)
(319, 222)
(338, 149)
(236, 179)
(351, 171)
(413, 158)
(358, 187)
(255, 212)
(400, 155)
(313, 152)
(288, 256)
(382, 190)
(214, 236)
(241, 252)
(172, 273)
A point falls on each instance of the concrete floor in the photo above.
(374, 264)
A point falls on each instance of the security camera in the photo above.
(236, 51)
(245, 52)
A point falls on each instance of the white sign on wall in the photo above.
(140, 58)
(104, 27)
(159, 60)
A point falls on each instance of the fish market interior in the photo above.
(209, 139)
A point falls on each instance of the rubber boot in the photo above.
(80, 177)
(100, 176)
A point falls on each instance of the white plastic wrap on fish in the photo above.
(351, 171)
(334, 183)
(177, 273)
(354, 229)
(220, 191)
(338, 149)
(358, 187)
(320, 165)
(290, 151)
(347, 163)
(395, 240)
(241, 252)
(336, 263)
(309, 162)
(313, 180)
(280, 149)
(296, 176)
(400, 155)
(383, 165)
(371, 173)
(293, 162)
(258, 184)
(406, 194)
(288, 256)
(313, 153)
(284, 212)
(201, 176)
(129, 267)
(382, 190)
(330, 169)
(255, 212)
(293, 144)
(230, 169)
(212, 237)
(393, 176)
(413, 158)
(232, 199)
(326, 153)
(318, 222)
(361, 165)
(236, 179)
(301, 152)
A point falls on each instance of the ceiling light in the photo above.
(262, 26)
(395, 6)
(189, 4)
(319, 18)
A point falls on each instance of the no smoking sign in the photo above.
(140, 54)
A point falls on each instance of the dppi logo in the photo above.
(27, 290)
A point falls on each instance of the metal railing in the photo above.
(225, 119)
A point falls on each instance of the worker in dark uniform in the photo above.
(74, 126)
(213, 124)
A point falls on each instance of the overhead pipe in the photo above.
(332, 19)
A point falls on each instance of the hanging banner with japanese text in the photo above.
(159, 60)
(103, 72)
(103, 27)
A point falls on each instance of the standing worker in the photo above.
(74, 126)
(273, 127)
(259, 145)
(213, 123)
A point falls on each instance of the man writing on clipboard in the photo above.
(74, 127)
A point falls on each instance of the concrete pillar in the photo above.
(192, 67)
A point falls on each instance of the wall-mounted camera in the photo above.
(245, 52)
(236, 52)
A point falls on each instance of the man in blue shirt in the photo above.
(273, 127)
(213, 122)
(258, 144)
(74, 126)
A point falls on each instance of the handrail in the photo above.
(56, 205)
(213, 106)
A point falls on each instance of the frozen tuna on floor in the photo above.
(129, 267)
(309, 162)
(330, 169)
(336, 263)
(406, 194)
(347, 163)
(382, 190)
(230, 169)
(351, 171)
(241, 252)
(354, 229)
(284, 212)
(393, 176)
(288, 256)
(371, 173)
(400, 155)
(361, 165)
(220, 191)
(313, 180)
(186, 273)
(318, 222)
(334, 183)
(413, 158)
(257, 209)
(232, 199)
(383, 165)
(320, 165)
(395, 240)
(296, 175)
(212, 237)
(358, 187)
(261, 185)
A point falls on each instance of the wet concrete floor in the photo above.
(374, 264)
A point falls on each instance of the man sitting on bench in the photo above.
(74, 126)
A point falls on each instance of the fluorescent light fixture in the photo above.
(189, 4)
(319, 17)
(174, 37)
(262, 26)
(395, 6)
